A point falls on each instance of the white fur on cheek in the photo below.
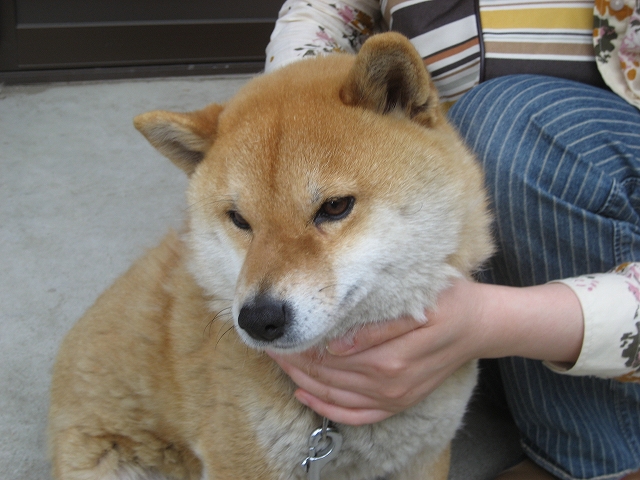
(397, 267)
(215, 260)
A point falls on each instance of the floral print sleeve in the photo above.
(610, 305)
(314, 27)
(616, 38)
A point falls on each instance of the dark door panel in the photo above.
(70, 39)
(73, 46)
(78, 11)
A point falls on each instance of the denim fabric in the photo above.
(562, 163)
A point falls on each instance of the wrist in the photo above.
(543, 322)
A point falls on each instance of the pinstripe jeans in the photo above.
(562, 163)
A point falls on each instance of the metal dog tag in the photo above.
(324, 444)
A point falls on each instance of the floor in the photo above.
(82, 194)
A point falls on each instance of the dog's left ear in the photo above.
(184, 138)
(389, 76)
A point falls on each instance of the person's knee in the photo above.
(541, 180)
(549, 137)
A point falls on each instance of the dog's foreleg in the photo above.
(77, 455)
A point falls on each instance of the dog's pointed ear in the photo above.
(184, 138)
(389, 76)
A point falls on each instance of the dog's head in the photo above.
(327, 194)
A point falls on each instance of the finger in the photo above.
(370, 376)
(339, 414)
(336, 374)
(372, 335)
(326, 368)
(348, 397)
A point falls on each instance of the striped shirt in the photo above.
(545, 37)
(446, 34)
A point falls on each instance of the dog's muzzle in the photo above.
(265, 318)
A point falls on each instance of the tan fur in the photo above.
(159, 379)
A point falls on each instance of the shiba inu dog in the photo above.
(326, 195)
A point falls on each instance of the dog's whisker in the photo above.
(223, 312)
(224, 333)
(335, 285)
(210, 326)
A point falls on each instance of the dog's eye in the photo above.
(335, 209)
(238, 220)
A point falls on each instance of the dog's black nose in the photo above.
(264, 318)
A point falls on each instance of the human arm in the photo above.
(312, 27)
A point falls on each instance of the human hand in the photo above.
(388, 367)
